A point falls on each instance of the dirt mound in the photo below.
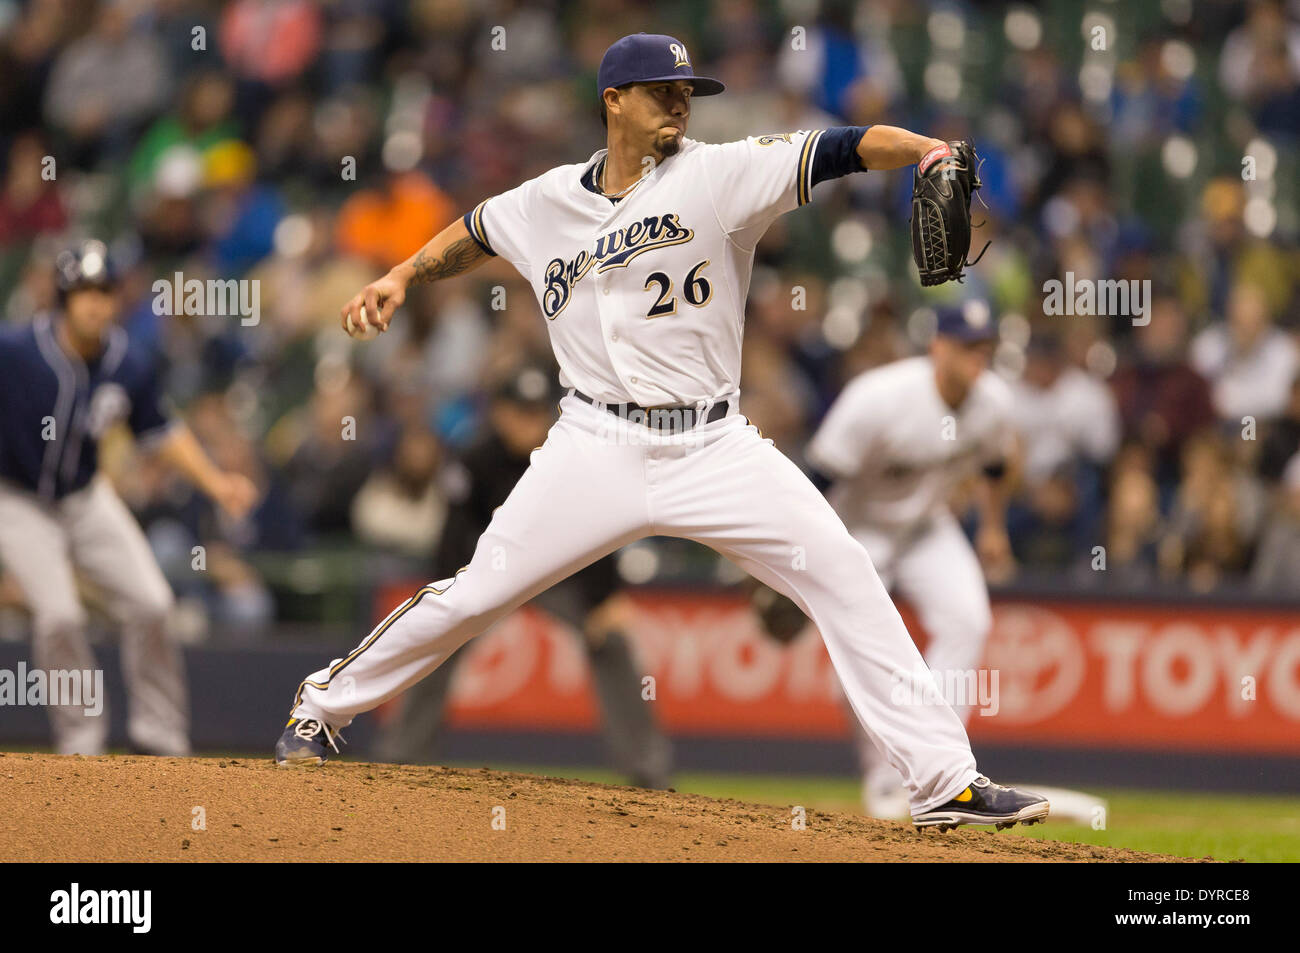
(137, 808)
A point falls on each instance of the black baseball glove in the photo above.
(942, 186)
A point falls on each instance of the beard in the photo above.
(669, 147)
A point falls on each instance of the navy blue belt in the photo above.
(659, 418)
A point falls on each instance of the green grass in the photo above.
(1222, 826)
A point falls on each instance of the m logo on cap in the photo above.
(679, 52)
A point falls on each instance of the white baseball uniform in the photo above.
(897, 451)
(1074, 418)
(644, 301)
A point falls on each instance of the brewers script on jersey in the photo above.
(644, 300)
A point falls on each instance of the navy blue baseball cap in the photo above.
(968, 321)
(650, 58)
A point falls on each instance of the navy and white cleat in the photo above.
(984, 802)
(305, 741)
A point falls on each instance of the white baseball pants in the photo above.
(936, 570)
(91, 533)
(599, 483)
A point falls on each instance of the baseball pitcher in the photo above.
(640, 257)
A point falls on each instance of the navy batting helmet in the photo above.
(85, 266)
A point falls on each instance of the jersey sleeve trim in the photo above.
(474, 225)
(804, 183)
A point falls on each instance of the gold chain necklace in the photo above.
(615, 195)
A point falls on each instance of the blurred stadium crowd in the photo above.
(312, 145)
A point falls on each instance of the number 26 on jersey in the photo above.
(695, 289)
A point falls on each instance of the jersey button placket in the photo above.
(607, 318)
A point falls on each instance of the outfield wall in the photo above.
(1096, 674)
(1124, 691)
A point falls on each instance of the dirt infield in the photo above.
(136, 808)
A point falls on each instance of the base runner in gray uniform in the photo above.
(64, 379)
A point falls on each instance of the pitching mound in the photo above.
(136, 808)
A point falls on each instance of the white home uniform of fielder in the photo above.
(644, 300)
(897, 451)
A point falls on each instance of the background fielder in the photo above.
(641, 269)
(64, 380)
(897, 443)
